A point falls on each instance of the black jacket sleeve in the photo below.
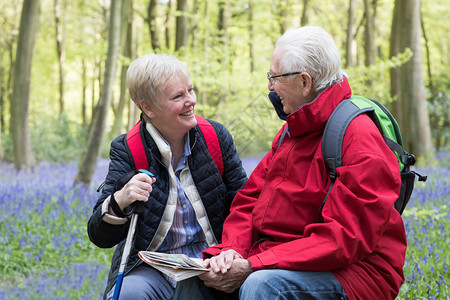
(101, 233)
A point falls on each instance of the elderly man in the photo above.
(277, 242)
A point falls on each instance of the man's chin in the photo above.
(286, 110)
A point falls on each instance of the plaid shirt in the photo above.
(185, 235)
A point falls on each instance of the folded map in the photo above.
(176, 266)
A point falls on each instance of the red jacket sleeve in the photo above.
(238, 230)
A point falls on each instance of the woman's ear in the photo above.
(147, 108)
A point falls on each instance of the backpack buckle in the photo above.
(333, 176)
(421, 177)
(408, 159)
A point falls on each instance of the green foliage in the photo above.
(58, 139)
(54, 139)
(379, 74)
(219, 61)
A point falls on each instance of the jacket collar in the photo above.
(314, 115)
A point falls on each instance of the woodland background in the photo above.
(63, 99)
(62, 67)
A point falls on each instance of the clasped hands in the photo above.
(227, 271)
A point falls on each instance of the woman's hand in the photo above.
(137, 189)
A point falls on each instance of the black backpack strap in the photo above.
(333, 134)
(333, 137)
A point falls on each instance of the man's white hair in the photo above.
(312, 50)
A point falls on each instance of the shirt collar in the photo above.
(186, 153)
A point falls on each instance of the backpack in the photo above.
(333, 136)
(334, 132)
(135, 138)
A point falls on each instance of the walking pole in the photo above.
(138, 209)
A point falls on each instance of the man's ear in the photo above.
(307, 83)
(147, 108)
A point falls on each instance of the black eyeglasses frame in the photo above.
(270, 76)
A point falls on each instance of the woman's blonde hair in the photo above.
(149, 75)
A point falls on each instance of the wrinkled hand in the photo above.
(227, 272)
(221, 262)
(137, 189)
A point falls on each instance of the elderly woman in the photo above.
(187, 201)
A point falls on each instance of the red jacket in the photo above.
(359, 236)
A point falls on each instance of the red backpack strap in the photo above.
(136, 147)
(212, 142)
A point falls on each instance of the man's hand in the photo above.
(221, 262)
(226, 279)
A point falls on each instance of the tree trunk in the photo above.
(9, 83)
(427, 50)
(304, 20)
(133, 110)
(60, 48)
(350, 34)
(97, 131)
(282, 13)
(370, 48)
(224, 59)
(153, 27)
(223, 23)
(20, 133)
(93, 97)
(415, 122)
(125, 42)
(181, 40)
(205, 63)
(83, 92)
(251, 39)
(396, 106)
(2, 101)
(167, 24)
(194, 28)
(2, 106)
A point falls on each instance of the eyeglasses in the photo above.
(272, 77)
